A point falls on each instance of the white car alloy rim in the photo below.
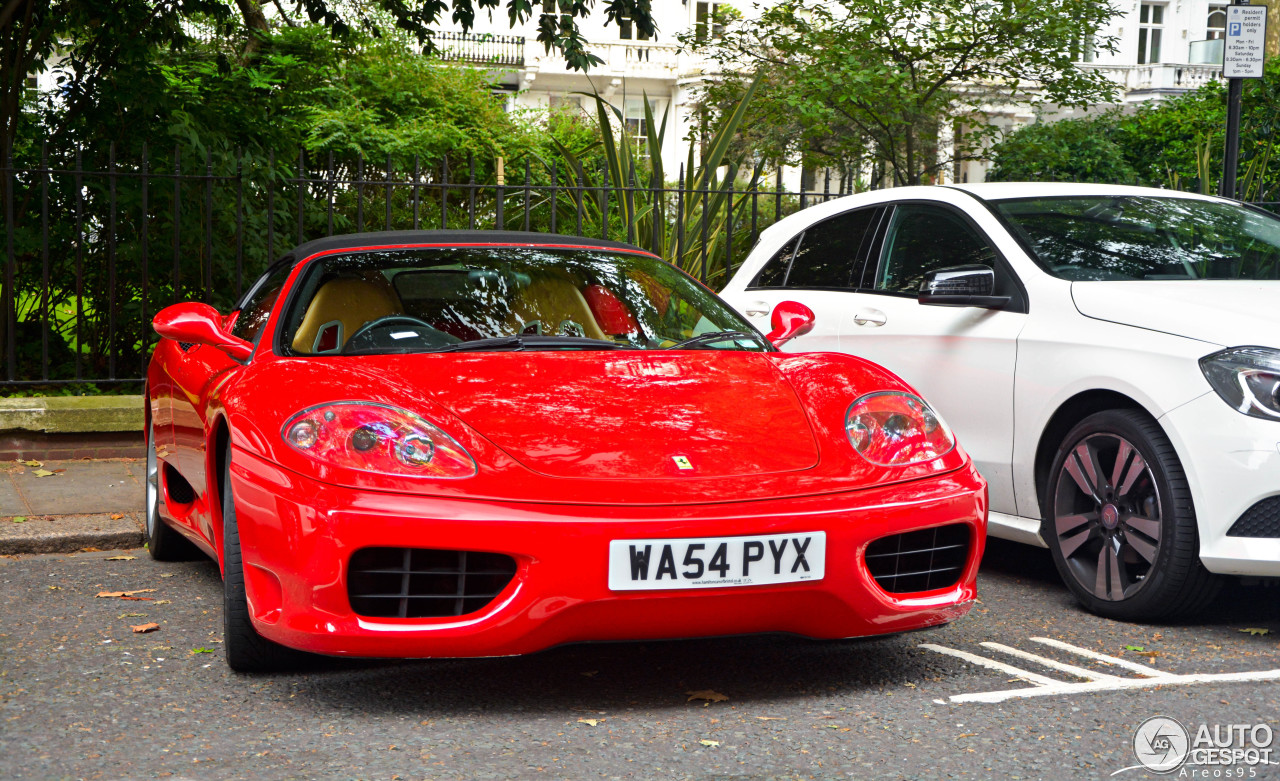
(1107, 516)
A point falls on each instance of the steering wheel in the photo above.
(389, 320)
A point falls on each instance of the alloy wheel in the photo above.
(1107, 516)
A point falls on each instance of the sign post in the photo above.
(1242, 58)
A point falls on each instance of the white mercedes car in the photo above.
(1109, 356)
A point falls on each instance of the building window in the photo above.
(633, 118)
(1150, 27)
(1083, 49)
(627, 30)
(706, 24)
(1217, 25)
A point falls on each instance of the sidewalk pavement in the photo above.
(65, 506)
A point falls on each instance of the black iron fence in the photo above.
(93, 249)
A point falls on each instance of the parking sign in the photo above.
(1246, 33)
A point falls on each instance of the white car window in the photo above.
(925, 238)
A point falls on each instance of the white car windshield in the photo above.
(1143, 237)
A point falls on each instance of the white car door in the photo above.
(960, 358)
(816, 268)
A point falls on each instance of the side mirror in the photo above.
(961, 286)
(198, 323)
(790, 319)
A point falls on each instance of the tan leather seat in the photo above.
(551, 302)
(352, 302)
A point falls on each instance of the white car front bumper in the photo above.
(1232, 463)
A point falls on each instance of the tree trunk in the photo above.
(256, 22)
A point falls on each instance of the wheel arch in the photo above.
(1067, 415)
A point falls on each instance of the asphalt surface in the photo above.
(83, 696)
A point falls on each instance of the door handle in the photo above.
(758, 309)
(870, 316)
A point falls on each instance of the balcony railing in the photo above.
(1168, 76)
(480, 48)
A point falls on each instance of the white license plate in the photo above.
(715, 562)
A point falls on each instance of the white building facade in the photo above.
(1165, 48)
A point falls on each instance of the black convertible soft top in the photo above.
(385, 238)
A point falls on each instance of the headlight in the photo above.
(369, 437)
(890, 428)
(1247, 378)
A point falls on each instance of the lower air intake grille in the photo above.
(1260, 520)
(425, 583)
(921, 560)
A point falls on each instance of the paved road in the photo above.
(81, 696)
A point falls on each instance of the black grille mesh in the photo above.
(920, 560)
(1260, 520)
(425, 583)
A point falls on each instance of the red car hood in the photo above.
(632, 414)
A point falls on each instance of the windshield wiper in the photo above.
(520, 342)
(718, 336)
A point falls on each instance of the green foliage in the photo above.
(1069, 150)
(1177, 143)
(888, 75)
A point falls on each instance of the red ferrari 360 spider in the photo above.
(469, 444)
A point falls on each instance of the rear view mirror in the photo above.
(961, 286)
(790, 319)
(197, 323)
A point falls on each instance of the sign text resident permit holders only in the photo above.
(1243, 50)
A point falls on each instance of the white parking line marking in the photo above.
(1069, 669)
(1141, 669)
(1043, 686)
(983, 661)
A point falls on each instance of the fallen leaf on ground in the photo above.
(116, 516)
(144, 628)
(43, 473)
(124, 593)
(772, 718)
(58, 471)
(1152, 654)
(589, 722)
(19, 519)
(164, 601)
(132, 615)
(966, 735)
(1253, 630)
(166, 574)
(32, 463)
(1157, 636)
(710, 743)
(140, 599)
(706, 694)
(201, 650)
(55, 588)
(122, 558)
(91, 549)
(1134, 648)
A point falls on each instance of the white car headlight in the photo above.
(1247, 378)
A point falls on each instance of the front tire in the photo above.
(163, 542)
(1120, 521)
(247, 651)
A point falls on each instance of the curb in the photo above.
(72, 414)
(71, 533)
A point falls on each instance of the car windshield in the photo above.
(506, 298)
(1144, 237)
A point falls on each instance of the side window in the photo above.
(257, 307)
(925, 238)
(774, 273)
(830, 251)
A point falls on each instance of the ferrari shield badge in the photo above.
(682, 462)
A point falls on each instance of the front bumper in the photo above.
(1232, 461)
(298, 535)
